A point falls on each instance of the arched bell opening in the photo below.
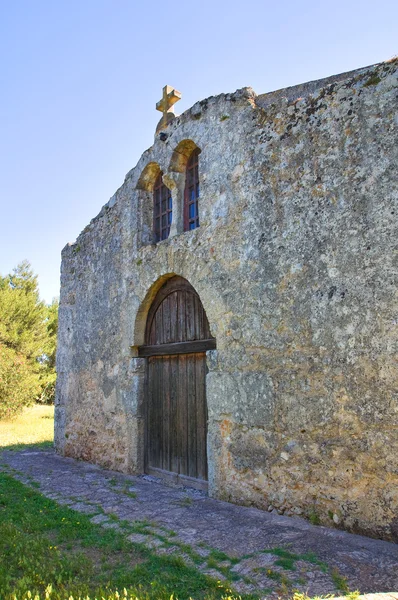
(145, 211)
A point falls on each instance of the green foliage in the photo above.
(339, 581)
(311, 557)
(28, 330)
(52, 593)
(313, 517)
(348, 596)
(287, 559)
(286, 563)
(373, 80)
(18, 384)
(48, 375)
(276, 576)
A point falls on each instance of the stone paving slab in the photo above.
(381, 596)
(231, 542)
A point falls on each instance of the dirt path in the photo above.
(183, 521)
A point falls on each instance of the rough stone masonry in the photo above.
(296, 264)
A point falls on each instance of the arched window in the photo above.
(162, 209)
(191, 196)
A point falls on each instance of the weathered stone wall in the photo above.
(295, 262)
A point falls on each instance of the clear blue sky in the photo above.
(80, 79)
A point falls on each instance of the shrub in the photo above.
(18, 384)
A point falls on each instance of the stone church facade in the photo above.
(245, 336)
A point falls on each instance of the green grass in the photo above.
(187, 501)
(313, 517)
(35, 425)
(286, 563)
(127, 492)
(276, 576)
(339, 581)
(287, 559)
(312, 558)
(373, 80)
(219, 555)
(42, 543)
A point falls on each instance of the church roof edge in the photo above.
(303, 90)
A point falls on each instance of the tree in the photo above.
(18, 384)
(48, 375)
(27, 342)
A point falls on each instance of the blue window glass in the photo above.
(191, 206)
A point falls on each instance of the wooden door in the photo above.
(177, 337)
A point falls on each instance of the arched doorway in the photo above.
(176, 339)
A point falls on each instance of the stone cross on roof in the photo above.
(165, 105)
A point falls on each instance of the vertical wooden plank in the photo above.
(201, 415)
(150, 409)
(152, 333)
(166, 413)
(191, 415)
(150, 413)
(148, 393)
(174, 446)
(157, 423)
(182, 332)
(173, 317)
(161, 323)
(159, 411)
(158, 325)
(161, 319)
(183, 415)
(197, 335)
(190, 316)
(166, 320)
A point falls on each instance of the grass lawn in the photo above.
(34, 425)
(43, 544)
(52, 552)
